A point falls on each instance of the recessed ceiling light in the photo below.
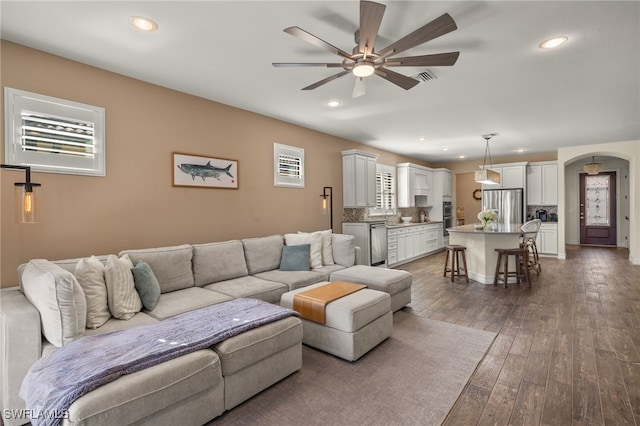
(460, 156)
(445, 149)
(141, 23)
(334, 103)
(422, 138)
(553, 42)
(520, 150)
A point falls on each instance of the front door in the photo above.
(598, 209)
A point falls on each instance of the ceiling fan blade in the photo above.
(370, 18)
(305, 64)
(326, 80)
(359, 88)
(310, 38)
(435, 60)
(398, 79)
(436, 28)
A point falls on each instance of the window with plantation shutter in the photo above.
(288, 166)
(385, 190)
(53, 135)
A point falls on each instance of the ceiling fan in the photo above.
(365, 60)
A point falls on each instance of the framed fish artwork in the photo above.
(204, 172)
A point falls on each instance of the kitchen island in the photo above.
(481, 245)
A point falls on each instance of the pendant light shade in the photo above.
(487, 176)
(593, 168)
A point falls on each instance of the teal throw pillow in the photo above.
(146, 284)
(295, 258)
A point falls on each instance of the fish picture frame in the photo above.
(204, 172)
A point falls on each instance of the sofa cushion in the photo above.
(185, 300)
(122, 297)
(295, 258)
(344, 247)
(59, 299)
(146, 285)
(293, 279)
(329, 269)
(215, 262)
(90, 274)
(114, 324)
(170, 265)
(250, 286)
(263, 253)
(315, 242)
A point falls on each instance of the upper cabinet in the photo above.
(442, 179)
(358, 179)
(512, 175)
(542, 184)
(414, 185)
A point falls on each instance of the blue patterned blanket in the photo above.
(54, 382)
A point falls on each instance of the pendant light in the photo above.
(486, 175)
(593, 168)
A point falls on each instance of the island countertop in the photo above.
(498, 228)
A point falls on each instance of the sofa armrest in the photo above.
(358, 255)
(20, 346)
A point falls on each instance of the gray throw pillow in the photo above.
(295, 258)
(146, 284)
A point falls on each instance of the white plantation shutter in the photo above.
(288, 166)
(385, 190)
(53, 135)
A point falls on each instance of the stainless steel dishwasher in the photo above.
(378, 241)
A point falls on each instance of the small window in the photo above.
(385, 190)
(53, 135)
(288, 166)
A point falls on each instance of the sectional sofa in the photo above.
(61, 301)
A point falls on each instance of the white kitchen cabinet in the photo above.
(547, 239)
(542, 184)
(512, 175)
(442, 183)
(358, 179)
(409, 242)
(414, 180)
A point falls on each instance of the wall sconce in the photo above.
(327, 203)
(26, 196)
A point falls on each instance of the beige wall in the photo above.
(465, 185)
(135, 206)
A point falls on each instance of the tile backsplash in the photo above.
(552, 212)
(361, 215)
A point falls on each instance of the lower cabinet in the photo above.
(409, 242)
(547, 239)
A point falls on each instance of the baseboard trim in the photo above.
(634, 260)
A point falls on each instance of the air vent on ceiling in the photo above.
(424, 76)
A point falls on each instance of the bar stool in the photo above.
(455, 251)
(528, 240)
(521, 273)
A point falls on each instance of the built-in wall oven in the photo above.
(447, 217)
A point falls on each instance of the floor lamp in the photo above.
(26, 196)
(327, 203)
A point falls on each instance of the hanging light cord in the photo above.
(486, 150)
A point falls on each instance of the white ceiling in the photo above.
(585, 92)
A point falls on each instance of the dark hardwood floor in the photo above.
(567, 350)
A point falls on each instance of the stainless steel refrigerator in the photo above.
(509, 203)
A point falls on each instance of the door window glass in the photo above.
(597, 200)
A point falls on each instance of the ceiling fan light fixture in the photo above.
(363, 69)
(553, 42)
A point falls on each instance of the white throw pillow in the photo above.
(123, 299)
(314, 240)
(327, 251)
(344, 249)
(90, 274)
(59, 299)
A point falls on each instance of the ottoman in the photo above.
(393, 281)
(354, 324)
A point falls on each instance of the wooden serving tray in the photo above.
(311, 304)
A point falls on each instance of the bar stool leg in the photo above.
(464, 261)
(453, 264)
(495, 277)
(526, 269)
(505, 275)
(446, 263)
